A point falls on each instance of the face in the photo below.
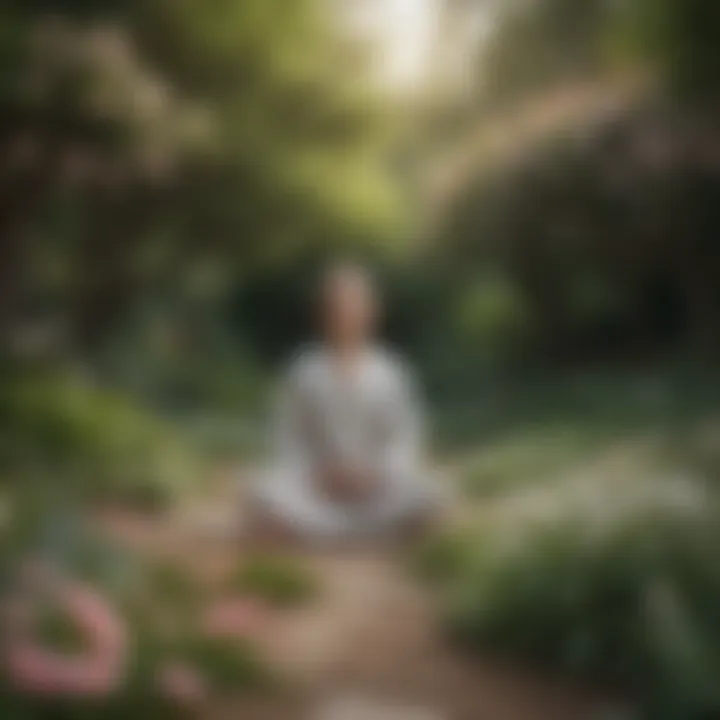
(349, 309)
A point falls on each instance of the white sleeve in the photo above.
(400, 458)
(289, 432)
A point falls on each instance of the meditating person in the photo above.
(348, 438)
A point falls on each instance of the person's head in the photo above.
(348, 305)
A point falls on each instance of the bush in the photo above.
(63, 429)
(610, 579)
(491, 315)
(161, 607)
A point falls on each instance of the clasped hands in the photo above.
(342, 483)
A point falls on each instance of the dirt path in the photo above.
(371, 640)
(375, 636)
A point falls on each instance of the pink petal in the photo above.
(97, 672)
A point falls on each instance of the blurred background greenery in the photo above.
(535, 182)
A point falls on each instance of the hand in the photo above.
(344, 484)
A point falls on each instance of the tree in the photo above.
(146, 140)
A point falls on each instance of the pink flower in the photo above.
(41, 672)
(243, 617)
(103, 628)
(182, 684)
(96, 672)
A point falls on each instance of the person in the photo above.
(348, 437)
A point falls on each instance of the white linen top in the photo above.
(366, 416)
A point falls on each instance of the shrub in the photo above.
(161, 608)
(71, 433)
(608, 579)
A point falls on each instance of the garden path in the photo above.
(369, 648)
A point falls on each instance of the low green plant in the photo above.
(529, 458)
(279, 580)
(160, 604)
(616, 582)
(63, 430)
(442, 558)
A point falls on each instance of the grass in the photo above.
(582, 405)
(528, 432)
(531, 457)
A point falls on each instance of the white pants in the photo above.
(295, 501)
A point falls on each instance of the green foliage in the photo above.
(491, 315)
(582, 229)
(531, 426)
(231, 666)
(63, 427)
(609, 575)
(443, 558)
(589, 218)
(160, 606)
(530, 458)
(145, 143)
(171, 585)
(539, 44)
(536, 45)
(681, 37)
(279, 580)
